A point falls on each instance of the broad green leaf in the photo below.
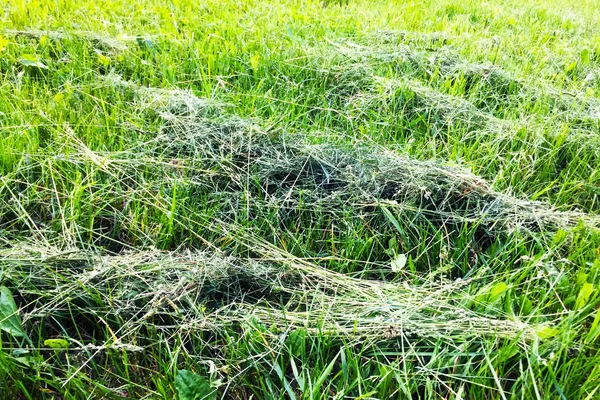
(257, 324)
(56, 343)
(31, 60)
(102, 59)
(399, 263)
(144, 43)
(10, 321)
(546, 332)
(584, 295)
(25, 361)
(20, 352)
(559, 236)
(571, 67)
(193, 387)
(490, 293)
(585, 56)
(497, 290)
(59, 97)
(296, 341)
(526, 305)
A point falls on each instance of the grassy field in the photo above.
(299, 199)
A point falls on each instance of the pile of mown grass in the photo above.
(278, 182)
(218, 159)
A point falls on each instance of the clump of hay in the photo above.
(358, 175)
(178, 292)
(236, 164)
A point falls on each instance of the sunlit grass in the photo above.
(300, 200)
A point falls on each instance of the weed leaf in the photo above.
(10, 321)
(546, 332)
(399, 263)
(193, 387)
(497, 290)
(584, 295)
(31, 60)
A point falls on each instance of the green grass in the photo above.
(300, 199)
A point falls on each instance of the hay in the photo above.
(234, 163)
(182, 292)
(101, 42)
(359, 176)
(491, 87)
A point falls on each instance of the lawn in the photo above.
(299, 199)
